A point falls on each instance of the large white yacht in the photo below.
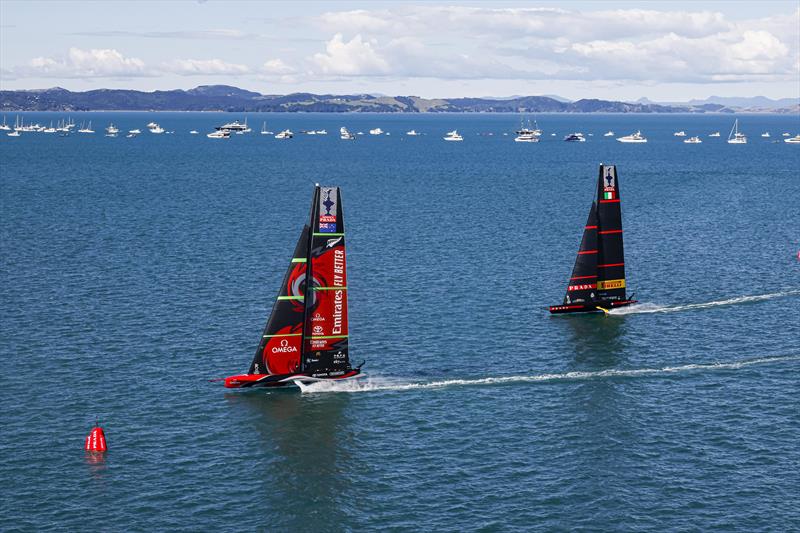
(735, 136)
(112, 129)
(285, 134)
(633, 138)
(453, 136)
(155, 128)
(219, 134)
(346, 135)
(692, 140)
(376, 131)
(791, 140)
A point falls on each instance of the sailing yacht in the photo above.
(87, 129)
(264, 129)
(735, 137)
(306, 336)
(633, 138)
(453, 136)
(692, 140)
(597, 282)
(51, 129)
(4, 126)
(285, 134)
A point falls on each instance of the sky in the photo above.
(667, 51)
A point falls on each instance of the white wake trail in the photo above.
(369, 384)
(655, 308)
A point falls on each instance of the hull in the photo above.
(581, 308)
(245, 381)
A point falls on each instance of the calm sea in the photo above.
(133, 270)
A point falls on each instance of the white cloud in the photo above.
(204, 67)
(356, 57)
(78, 63)
(276, 67)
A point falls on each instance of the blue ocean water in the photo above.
(133, 270)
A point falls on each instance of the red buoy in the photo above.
(96, 440)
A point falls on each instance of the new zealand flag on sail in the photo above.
(327, 210)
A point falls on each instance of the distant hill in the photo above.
(234, 99)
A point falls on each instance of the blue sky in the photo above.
(666, 51)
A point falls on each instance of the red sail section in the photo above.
(325, 350)
(280, 348)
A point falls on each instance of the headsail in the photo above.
(599, 272)
(279, 351)
(325, 349)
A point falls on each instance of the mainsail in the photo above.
(325, 335)
(598, 276)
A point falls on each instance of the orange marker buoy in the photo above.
(96, 440)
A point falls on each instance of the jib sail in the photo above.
(280, 349)
(599, 271)
(325, 351)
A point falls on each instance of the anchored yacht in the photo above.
(692, 140)
(575, 137)
(285, 134)
(453, 136)
(735, 136)
(633, 138)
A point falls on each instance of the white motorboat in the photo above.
(376, 131)
(322, 132)
(136, 131)
(715, 134)
(155, 128)
(785, 134)
(112, 129)
(735, 136)
(575, 137)
(151, 125)
(790, 140)
(633, 138)
(766, 135)
(412, 133)
(609, 133)
(453, 136)
(526, 137)
(692, 140)
(219, 134)
(285, 134)
(679, 133)
(193, 132)
(346, 135)
(15, 133)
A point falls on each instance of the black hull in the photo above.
(251, 381)
(600, 307)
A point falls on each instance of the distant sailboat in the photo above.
(597, 282)
(306, 336)
(735, 136)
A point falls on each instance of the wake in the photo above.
(369, 384)
(655, 308)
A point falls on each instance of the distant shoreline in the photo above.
(228, 99)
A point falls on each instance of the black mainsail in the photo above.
(306, 335)
(598, 277)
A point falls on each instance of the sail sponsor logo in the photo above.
(338, 295)
(318, 330)
(333, 242)
(317, 318)
(610, 178)
(582, 287)
(327, 210)
(284, 347)
(610, 284)
(327, 218)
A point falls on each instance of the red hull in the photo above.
(580, 308)
(279, 380)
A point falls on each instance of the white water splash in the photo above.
(655, 308)
(369, 384)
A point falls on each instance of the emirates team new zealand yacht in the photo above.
(305, 339)
(597, 282)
